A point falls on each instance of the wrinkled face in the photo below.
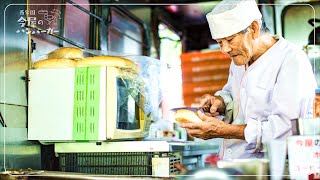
(238, 46)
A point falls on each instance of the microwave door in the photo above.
(126, 107)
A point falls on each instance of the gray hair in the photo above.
(262, 25)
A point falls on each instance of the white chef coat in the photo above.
(276, 88)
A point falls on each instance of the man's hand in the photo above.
(212, 127)
(215, 105)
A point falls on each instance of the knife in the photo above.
(194, 109)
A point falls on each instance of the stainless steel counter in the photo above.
(33, 174)
(136, 146)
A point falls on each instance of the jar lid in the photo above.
(317, 91)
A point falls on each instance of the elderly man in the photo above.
(270, 83)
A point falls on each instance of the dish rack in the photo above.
(156, 158)
(117, 163)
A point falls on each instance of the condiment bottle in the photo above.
(316, 106)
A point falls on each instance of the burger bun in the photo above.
(186, 116)
(66, 52)
(54, 64)
(113, 61)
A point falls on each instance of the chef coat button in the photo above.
(229, 150)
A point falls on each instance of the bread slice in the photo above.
(54, 63)
(112, 61)
(186, 116)
(66, 52)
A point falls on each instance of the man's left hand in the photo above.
(212, 127)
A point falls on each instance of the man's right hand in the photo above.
(213, 105)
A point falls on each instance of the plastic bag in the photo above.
(143, 86)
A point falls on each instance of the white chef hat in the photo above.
(232, 16)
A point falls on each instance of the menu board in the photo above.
(304, 156)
